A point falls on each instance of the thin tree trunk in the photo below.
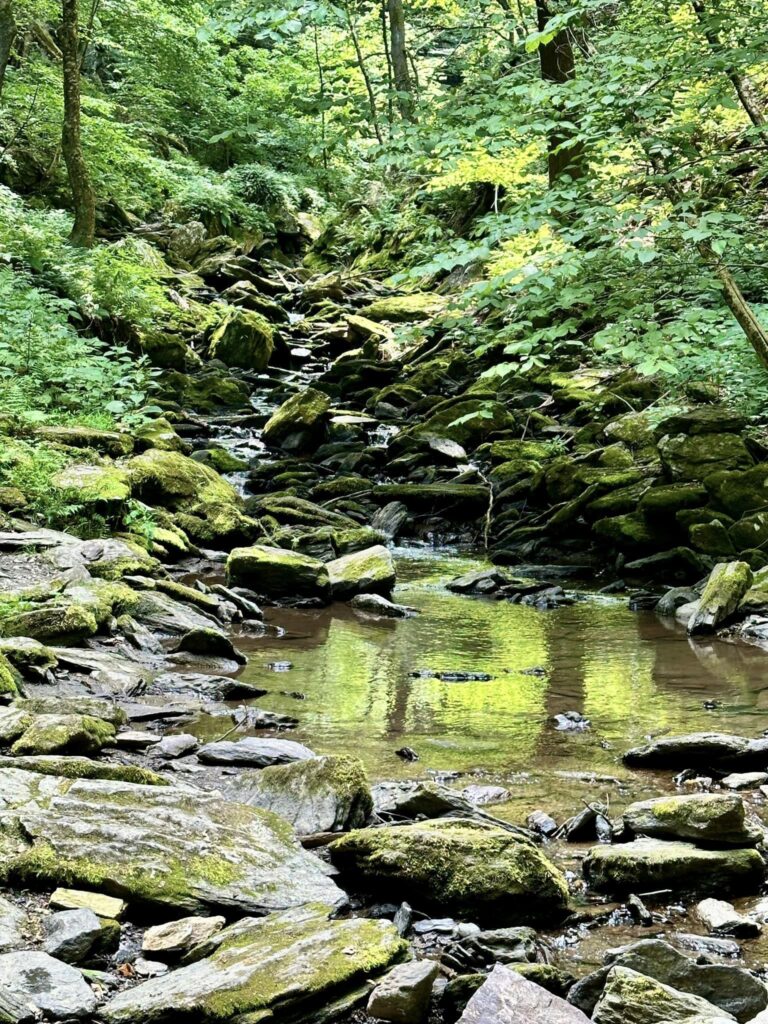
(388, 56)
(83, 199)
(559, 67)
(7, 38)
(402, 73)
(742, 84)
(366, 78)
(321, 78)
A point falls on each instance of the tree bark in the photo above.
(558, 66)
(83, 198)
(7, 38)
(401, 71)
(366, 77)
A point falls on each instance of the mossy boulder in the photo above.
(288, 966)
(455, 501)
(648, 864)
(14, 721)
(157, 433)
(174, 481)
(167, 350)
(462, 866)
(634, 429)
(51, 622)
(708, 818)
(467, 421)
(667, 499)
(8, 678)
(243, 338)
(64, 734)
(219, 524)
(300, 424)
(750, 532)
(693, 457)
(102, 486)
(95, 707)
(628, 531)
(711, 538)
(371, 571)
(205, 392)
(108, 442)
(275, 572)
(321, 794)
(740, 492)
(633, 998)
(27, 656)
(708, 419)
(755, 599)
(84, 768)
(221, 460)
(726, 587)
(398, 309)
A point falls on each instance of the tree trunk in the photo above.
(742, 84)
(7, 37)
(401, 71)
(366, 77)
(558, 66)
(83, 199)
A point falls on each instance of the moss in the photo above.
(276, 572)
(712, 538)
(404, 308)
(300, 423)
(467, 421)
(51, 622)
(189, 595)
(84, 768)
(98, 485)
(626, 531)
(172, 480)
(362, 572)
(221, 460)
(695, 457)
(58, 734)
(244, 339)
(223, 524)
(8, 679)
(158, 434)
(108, 442)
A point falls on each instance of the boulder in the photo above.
(721, 918)
(70, 935)
(321, 794)
(648, 864)
(177, 937)
(102, 487)
(64, 734)
(163, 846)
(463, 866)
(244, 339)
(363, 572)
(174, 481)
(727, 585)
(632, 998)
(707, 419)
(210, 642)
(253, 752)
(57, 990)
(508, 998)
(84, 768)
(108, 442)
(699, 750)
(483, 949)
(399, 309)
(402, 996)
(291, 963)
(299, 425)
(686, 457)
(13, 926)
(275, 572)
(709, 818)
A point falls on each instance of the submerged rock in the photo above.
(508, 998)
(290, 963)
(457, 864)
(648, 864)
(712, 818)
(322, 794)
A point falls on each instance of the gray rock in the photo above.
(212, 642)
(162, 614)
(321, 794)
(721, 918)
(149, 968)
(403, 995)
(418, 799)
(700, 750)
(171, 747)
(731, 989)
(70, 935)
(259, 964)
(136, 739)
(633, 998)
(163, 846)
(13, 922)
(253, 752)
(744, 780)
(375, 604)
(480, 949)
(177, 937)
(508, 998)
(715, 818)
(55, 988)
(481, 796)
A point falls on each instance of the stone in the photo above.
(70, 935)
(56, 989)
(14, 721)
(699, 750)
(418, 800)
(648, 864)
(375, 604)
(136, 739)
(174, 746)
(177, 937)
(399, 309)
(714, 818)
(13, 925)
(244, 339)
(685, 457)
(162, 614)
(721, 918)
(482, 949)
(260, 965)
(402, 996)
(362, 572)
(174, 481)
(211, 643)
(64, 734)
(108, 907)
(253, 752)
(321, 794)
(275, 572)
(708, 419)
(505, 997)
(162, 846)
(733, 990)
(632, 998)
(84, 768)
(727, 585)
(102, 487)
(744, 780)
(300, 424)
(29, 657)
(108, 442)
(459, 865)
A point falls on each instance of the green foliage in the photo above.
(32, 468)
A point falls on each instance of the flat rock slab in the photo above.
(632, 998)
(508, 998)
(716, 818)
(254, 753)
(700, 750)
(286, 962)
(648, 864)
(166, 846)
(13, 923)
(55, 988)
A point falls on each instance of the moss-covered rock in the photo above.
(628, 531)
(755, 599)
(667, 499)
(321, 794)
(371, 571)
(166, 349)
(467, 421)
(221, 460)
(686, 457)
(174, 481)
(275, 572)
(243, 338)
(398, 309)
(711, 537)
(450, 500)
(300, 424)
(207, 391)
(739, 492)
(633, 998)
(727, 585)
(64, 734)
(27, 656)
(94, 707)
(750, 532)
(708, 818)
(635, 429)
(14, 721)
(709, 419)
(51, 622)
(108, 442)
(8, 678)
(462, 866)
(157, 433)
(647, 864)
(84, 768)
(222, 525)
(102, 486)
